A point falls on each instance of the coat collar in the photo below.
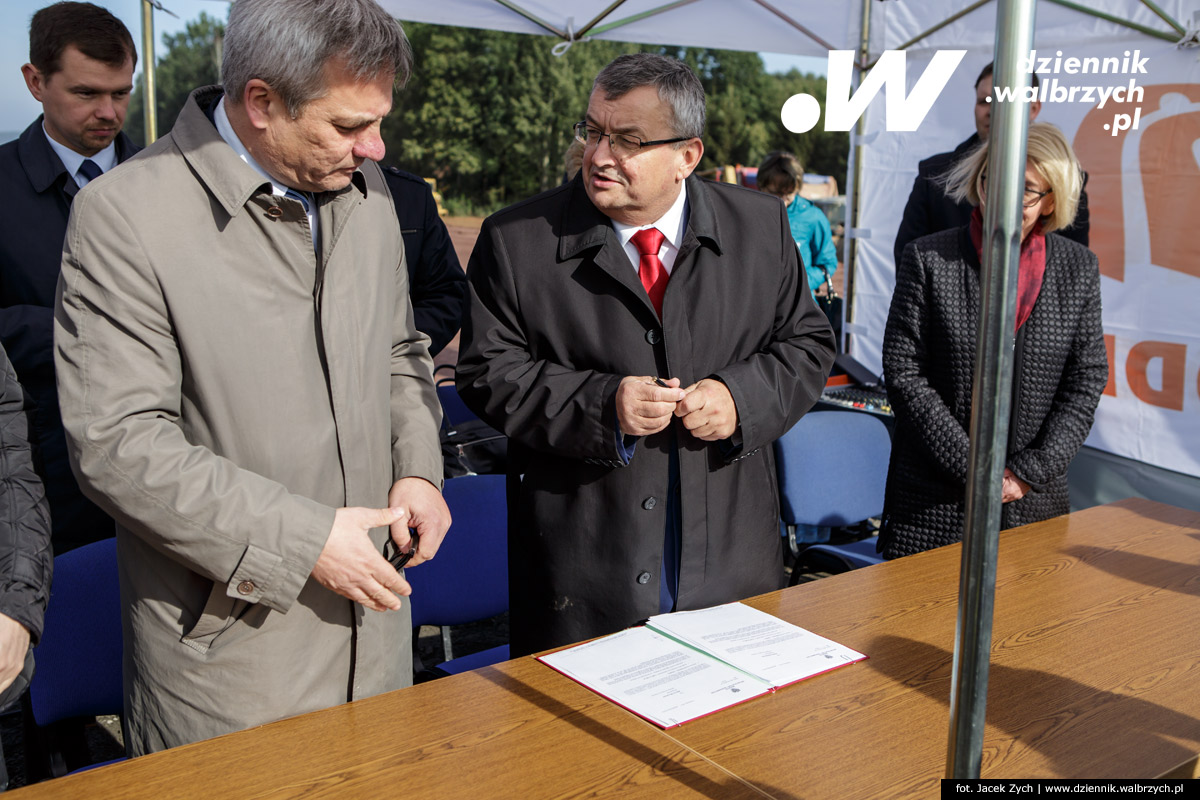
(232, 181)
(585, 226)
(42, 165)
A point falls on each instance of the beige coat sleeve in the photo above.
(121, 391)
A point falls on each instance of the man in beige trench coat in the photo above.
(243, 388)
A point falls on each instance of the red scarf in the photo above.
(1031, 267)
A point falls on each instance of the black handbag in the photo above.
(831, 304)
(473, 448)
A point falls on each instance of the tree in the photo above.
(190, 59)
(489, 114)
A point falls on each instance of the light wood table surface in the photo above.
(1095, 673)
(1095, 669)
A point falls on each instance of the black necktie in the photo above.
(89, 170)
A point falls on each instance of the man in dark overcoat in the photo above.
(642, 336)
(81, 61)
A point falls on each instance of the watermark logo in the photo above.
(1052, 91)
(801, 112)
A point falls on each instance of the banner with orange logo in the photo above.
(1131, 108)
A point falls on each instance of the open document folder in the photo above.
(691, 663)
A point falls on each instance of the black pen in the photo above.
(661, 382)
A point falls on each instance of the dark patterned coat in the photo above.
(1060, 369)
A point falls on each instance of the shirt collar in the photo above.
(221, 120)
(106, 159)
(672, 224)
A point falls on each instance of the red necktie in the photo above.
(650, 267)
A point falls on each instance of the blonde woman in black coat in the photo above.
(1060, 367)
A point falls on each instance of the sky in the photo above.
(18, 108)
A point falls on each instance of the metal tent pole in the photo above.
(991, 396)
(149, 100)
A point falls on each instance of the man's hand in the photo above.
(427, 512)
(14, 644)
(1013, 488)
(708, 411)
(351, 565)
(644, 407)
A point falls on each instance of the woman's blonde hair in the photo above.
(1050, 155)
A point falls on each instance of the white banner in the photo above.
(1143, 162)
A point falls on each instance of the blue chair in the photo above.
(468, 579)
(832, 469)
(78, 660)
(454, 410)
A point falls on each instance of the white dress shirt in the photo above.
(278, 189)
(106, 159)
(671, 224)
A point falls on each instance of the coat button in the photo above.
(274, 212)
(653, 336)
(246, 587)
(649, 503)
(643, 578)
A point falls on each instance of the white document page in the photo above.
(654, 677)
(756, 642)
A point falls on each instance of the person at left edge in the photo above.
(436, 281)
(244, 390)
(81, 61)
(26, 562)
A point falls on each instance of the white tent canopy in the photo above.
(797, 27)
(1151, 410)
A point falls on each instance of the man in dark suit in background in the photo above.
(642, 336)
(436, 281)
(929, 210)
(81, 71)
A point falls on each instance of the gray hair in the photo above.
(287, 44)
(677, 86)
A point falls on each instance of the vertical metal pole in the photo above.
(149, 100)
(991, 397)
(854, 184)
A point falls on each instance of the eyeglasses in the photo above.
(622, 144)
(1032, 196)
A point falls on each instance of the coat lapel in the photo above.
(585, 227)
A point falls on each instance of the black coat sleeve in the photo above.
(915, 222)
(1078, 230)
(540, 404)
(437, 283)
(777, 385)
(908, 364)
(26, 560)
(1071, 415)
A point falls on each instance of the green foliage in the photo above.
(489, 114)
(189, 60)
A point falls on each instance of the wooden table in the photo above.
(1095, 673)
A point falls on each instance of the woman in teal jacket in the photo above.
(781, 174)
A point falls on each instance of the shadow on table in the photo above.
(1040, 709)
(668, 766)
(1159, 573)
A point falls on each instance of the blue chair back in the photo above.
(78, 660)
(468, 579)
(832, 468)
(454, 410)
